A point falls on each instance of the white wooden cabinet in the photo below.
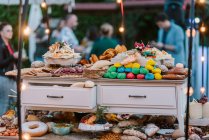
(164, 97)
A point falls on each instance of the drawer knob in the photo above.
(49, 96)
(137, 96)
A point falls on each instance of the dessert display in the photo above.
(61, 53)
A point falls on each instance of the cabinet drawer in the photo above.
(60, 96)
(138, 96)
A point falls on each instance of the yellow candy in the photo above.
(156, 70)
(129, 65)
(136, 65)
(158, 76)
(149, 67)
(151, 62)
(117, 65)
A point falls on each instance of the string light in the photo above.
(26, 31)
(202, 1)
(191, 91)
(202, 58)
(26, 136)
(23, 86)
(43, 4)
(188, 32)
(118, 1)
(202, 90)
(202, 29)
(121, 29)
(47, 31)
(197, 20)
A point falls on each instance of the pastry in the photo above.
(151, 62)
(117, 65)
(93, 58)
(121, 76)
(32, 118)
(37, 64)
(127, 123)
(121, 69)
(128, 69)
(136, 133)
(174, 77)
(100, 64)
(179, 71)
(84, 62)
(116, 130)
(140, 76)
(125, 137)
(113, 75)
(106, 75)
(156, 70)
(136, 65)
(149, 67)
(143, 71)
(89, 84)
(129, 59)
(149, 76)
(120, 48)
(112, 69)
(151, 130)
(158, 76)
(130, 76)
(78, 84)
(135, 70)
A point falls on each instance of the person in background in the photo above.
(55, 37)
(92, 35)
(67, 34)
(8, 59)
(105, 41)
(41, 40)
(170, 38)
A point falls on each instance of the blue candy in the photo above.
(149, 76)
(128, 69)
(120, 69)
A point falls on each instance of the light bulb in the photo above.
(23, 86)
(191, 91)
(26, 136)
(26, 31)
(47, 31)
(197, 20)
(202, 29)
(202, 58)
(202, 1)
(202, 90)
(121, 29)
(188, 32)
(118, 1)
(43, 4)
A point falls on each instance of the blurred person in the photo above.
(67, 34)
(92, 35)
(170, 38)
(41, 40)
(56, 36)
(105, 41)
(8, 59)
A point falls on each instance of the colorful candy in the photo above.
(151, 62)
(143, 71)
(135, 70)
(149, 76)
(149, 67)
(121, 69)
(129, 65)
(128, 69)
(136, 65)
(113, 75)
(140, 76)
(112, 69)
(156, 70)
(117, 65)
(158, 76)
(130, 76)
(121, 76)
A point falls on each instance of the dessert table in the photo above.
(146, 97)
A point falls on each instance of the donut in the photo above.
(35, 128)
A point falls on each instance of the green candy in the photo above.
(112, 69)
(135, 70)
(106, 75)
(143, 71)
(121, 76)
(113, 75)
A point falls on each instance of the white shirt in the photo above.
(67, 35)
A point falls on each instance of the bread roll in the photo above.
(93, 58)
(174, 77)
(120, 48)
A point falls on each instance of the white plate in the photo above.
(62, 61)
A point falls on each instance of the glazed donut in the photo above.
(35, 128)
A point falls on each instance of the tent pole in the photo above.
(189, 67)
(22, 17)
